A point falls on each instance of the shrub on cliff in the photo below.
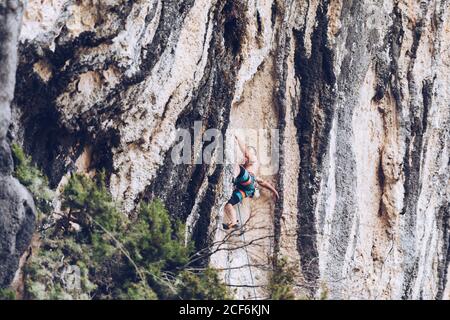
(282, 281)
(58, 271)
(115, 257)
(7, 294)
(153, 241)
(31, 177)
(204, 285)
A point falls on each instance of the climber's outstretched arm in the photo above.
(269, 186)
(250, 155)
(241, 145)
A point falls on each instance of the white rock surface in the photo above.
(359, 91)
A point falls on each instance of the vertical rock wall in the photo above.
(359, 91)
(17, 215)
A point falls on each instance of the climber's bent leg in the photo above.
(230, 212)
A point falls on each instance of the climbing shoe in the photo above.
(231, 226)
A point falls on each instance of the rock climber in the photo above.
(245, 183)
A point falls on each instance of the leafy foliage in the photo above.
(7, 294)
(31, 177)
(202, 286)
(116, 258)
(46, 273)
(282, 281)
(153, 241)
(137, 291)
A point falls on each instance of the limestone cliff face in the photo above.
(359, 92)
(17, 213)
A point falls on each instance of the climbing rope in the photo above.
(228, 274)
(246, 252)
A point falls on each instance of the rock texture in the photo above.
(17, 213)
(359, 91)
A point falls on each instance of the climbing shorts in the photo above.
(237, 197)
(244, 187)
